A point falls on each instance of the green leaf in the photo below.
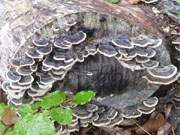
(25, 109)
(2, 106)
(53, 99)
(36, 106)
(178, 1)
(62, 116)
(83, 97)
(2, 128)
(114, 1)
(38, 124)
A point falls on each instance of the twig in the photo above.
(142, 128)
(172, 129)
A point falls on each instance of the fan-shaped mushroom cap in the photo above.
(91, 49)
(12, 75)
(41, 42)
(150, 64)
(68, 58)
(138, 51)
(32, 53)
(24, 70)
(151, 102)
(150, 1)
(45, 78)
(44, 68)
(155, 43)
(122, 42)
(116, 121)
(145, 110)
(59, 54)
(81, 113)
(131, 65)
(26, 80)
(177, 47)
(122, 51)
(142, 59)
(62, 44)
(107, 49)
(125, 58)
(91, 107)
(163, 72)
(18, 86)
(60, 71)
(37, 93)
(161, 81)
(130, 113)
(101, 109)
(22, 61)
(5, 86)
(111, 113)
(34, 67)
(101, 121)
(176, 41)
(15, 101)
(16, 95)
(70, 24)
(140, 42)
(75, 37)
(94, 117)
(57, 65)
(57, 77)
(43, 86)
(151, 53)
(35, 87)
(73, 128)
(44, 50)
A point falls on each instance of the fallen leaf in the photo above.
(152, 125)
(9, 116)
(165, 129)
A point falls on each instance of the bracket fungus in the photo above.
(92, 54)
(162, 75)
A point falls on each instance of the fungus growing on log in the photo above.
(93, 54)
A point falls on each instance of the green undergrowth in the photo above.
(39, 118)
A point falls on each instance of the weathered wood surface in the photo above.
(21, 18)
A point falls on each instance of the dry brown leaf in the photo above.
(9, 116)
(134, 1)
(164, 130)
(152, 125)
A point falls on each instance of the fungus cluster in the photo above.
(49, 57)
(103, 116)
(137, 53)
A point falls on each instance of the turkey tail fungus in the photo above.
(119, 51)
